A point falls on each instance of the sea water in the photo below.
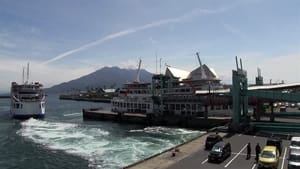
(64, 140)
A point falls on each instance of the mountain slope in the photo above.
(105, 77)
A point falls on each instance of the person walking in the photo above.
(248, 151)
(257, 151)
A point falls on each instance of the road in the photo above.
(237, 160)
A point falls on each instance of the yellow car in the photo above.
(269, 157)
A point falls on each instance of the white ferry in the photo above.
(134, 97)
(175, 93)
(27, 99)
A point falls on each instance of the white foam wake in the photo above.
(103, 148)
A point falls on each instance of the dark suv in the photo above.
(211, 140)
(275, 142)
(219, 152)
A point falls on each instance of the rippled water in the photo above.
(64, 140)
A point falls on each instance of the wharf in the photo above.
(192, 155)
(4, 96)
(153, 119)
(77, 98)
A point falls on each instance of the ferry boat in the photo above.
(27, 99)
(174, 93)
(134, 97)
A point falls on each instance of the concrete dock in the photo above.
(165, 159)
(154, 119)
(192, 155)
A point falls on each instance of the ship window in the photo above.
(188, 106)
(177, 106)
(128, 105)
(148, 106)
(193, 106)
(182, 107)
(17, 105)
(172, 106)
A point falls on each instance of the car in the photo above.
(294, 159)
(295, 143)
(269, 157)
(219, 152)
(211, 140)
(275, 142)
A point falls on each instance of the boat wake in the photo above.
(102, 146)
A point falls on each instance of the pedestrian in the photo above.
(257, 151)
(248, 151)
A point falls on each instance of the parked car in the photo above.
(211, 140)
(219, 152)
(295, 143)
(294, 159)
(269, 157)
(275, 142)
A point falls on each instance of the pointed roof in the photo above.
(203, 72)
(177, 73)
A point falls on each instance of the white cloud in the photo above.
(235, 31)
(277, 68)
(193, 13)
(130, 64)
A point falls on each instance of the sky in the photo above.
(64, 40)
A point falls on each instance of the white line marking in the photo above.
(235, 156)
(283, 159)
(254, 165)
(244, 154)
(204, 161)
(239, 134)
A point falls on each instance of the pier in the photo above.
(192, 155)
(153, 119)
(194, 109)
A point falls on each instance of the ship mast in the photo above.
(203, 74)
(23, 75)
(27, 80)
(139, 71)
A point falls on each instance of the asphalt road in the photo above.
(237, 160)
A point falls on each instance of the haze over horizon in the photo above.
(64, 40)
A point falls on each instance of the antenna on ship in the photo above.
(160, 65)
(139, 71)
(156, 62)
(27, 73)
(23, 75)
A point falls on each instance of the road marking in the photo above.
(240, 134)
(204, 161)
(244, 154)
(235, 156)
(254, 165)
(283, 159)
